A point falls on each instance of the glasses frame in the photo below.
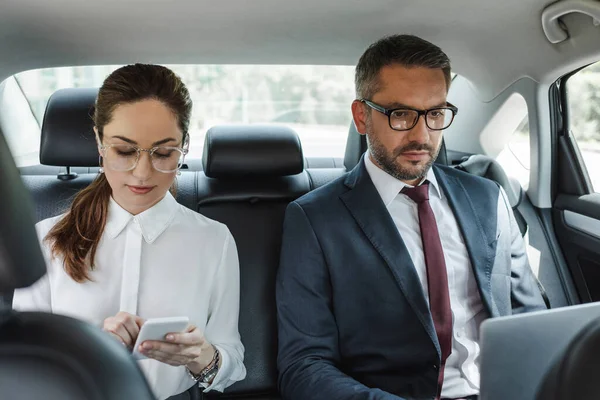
(388, 112)
(150, 151)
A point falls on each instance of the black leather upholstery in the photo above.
(279, 188)
(575, 374)
(322, 176)
(254, 210)
(251, 151)
(42, 355)
(442, 157)
(323, 162)
(21, 260)
(257, 229)
(67, 130)
(40, 169)
(356, 145)
(53, 196)
(53, 357)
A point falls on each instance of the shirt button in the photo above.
(435, 367)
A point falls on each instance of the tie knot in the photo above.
(418, 194)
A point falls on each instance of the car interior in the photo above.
(526, 80)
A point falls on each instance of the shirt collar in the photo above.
(152, 222)
(389, 187)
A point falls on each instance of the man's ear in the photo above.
(359, 115)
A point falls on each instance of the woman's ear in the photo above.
(185, 143)
(98, 142)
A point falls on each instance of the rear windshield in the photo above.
(314, 100)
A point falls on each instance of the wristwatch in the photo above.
(209, 372)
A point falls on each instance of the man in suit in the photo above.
(387, 273)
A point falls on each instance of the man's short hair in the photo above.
(406, 50)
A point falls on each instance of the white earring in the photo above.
(101, 169)
(178, 173)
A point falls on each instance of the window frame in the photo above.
(567, 142)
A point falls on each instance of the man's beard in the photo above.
(388, 162)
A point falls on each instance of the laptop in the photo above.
(518, 350)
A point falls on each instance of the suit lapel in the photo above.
(367, 208)
(481, 250)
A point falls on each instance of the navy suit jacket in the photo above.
(352, 315)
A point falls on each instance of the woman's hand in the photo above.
(188, 348)
(124, 327)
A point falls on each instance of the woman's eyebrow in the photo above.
(163, 141)
(123, 138)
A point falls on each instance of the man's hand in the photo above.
(124, 327)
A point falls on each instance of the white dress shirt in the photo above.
(167, 261)
(461, 375)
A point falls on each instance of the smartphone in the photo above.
(157, 329)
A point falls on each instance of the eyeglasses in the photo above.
(405, 118)
(125, 157)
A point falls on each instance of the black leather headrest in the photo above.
(442, 157)
(21, 260)
(241, 151)
(68, 129)
(356, 145)
(575, 374)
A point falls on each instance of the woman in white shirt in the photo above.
(126, 251)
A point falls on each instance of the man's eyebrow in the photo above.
(391, 106)
(163, 141)
(397, 105)
(443, 104)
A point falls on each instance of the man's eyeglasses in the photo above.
(405, 118)
(125, 157)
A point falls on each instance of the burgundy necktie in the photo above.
(437, 277)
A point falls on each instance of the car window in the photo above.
(313, 100)
(583, 98)
(506, 138)
(515, 157)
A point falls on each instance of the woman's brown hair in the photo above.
(76, 236)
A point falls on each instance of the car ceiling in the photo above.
(492, 43)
